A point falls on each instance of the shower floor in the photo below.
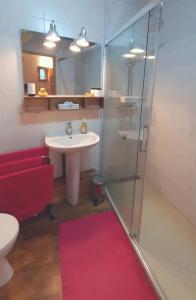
(121, 192)
(168, 241)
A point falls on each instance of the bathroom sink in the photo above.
(71, 143)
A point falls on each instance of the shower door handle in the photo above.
(144, 138)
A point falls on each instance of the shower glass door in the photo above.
(128, 79)
(125, 65)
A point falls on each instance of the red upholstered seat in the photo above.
(26, 182)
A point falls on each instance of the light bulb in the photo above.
(74, 47)
(129, 55)
(49, 44)
(137, 50)
(151, 57)
(82, 42)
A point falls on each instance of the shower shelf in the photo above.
(132, 134)
(130, 99)
(50, 103)
(127, 107)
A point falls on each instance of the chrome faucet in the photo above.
(69, 129)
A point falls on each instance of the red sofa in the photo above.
(26, 182)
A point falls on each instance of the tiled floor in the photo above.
(35, 257)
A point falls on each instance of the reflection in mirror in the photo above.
(59, 70)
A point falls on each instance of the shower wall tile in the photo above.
(118, 13)
(172, 145)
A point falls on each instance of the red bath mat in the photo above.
(98, 262)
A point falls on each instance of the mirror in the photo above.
(59, 70)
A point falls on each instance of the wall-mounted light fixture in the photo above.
(82, 39)
(81, 42)
(53, 35)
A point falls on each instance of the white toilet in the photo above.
(9, 228)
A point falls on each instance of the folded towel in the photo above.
(68, 105)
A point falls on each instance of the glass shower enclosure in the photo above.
(129, 81)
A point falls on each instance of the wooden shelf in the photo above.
(50, 103)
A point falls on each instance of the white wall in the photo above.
(172, 147)
(19, 131)
(118, 12)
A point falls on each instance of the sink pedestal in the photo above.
(72, 145)
(72, 177)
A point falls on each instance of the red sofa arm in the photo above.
(26, 193)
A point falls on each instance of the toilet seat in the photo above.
(9, 228)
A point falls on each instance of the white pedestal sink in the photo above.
(72, 145)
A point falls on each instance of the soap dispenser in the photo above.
(83, 127)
